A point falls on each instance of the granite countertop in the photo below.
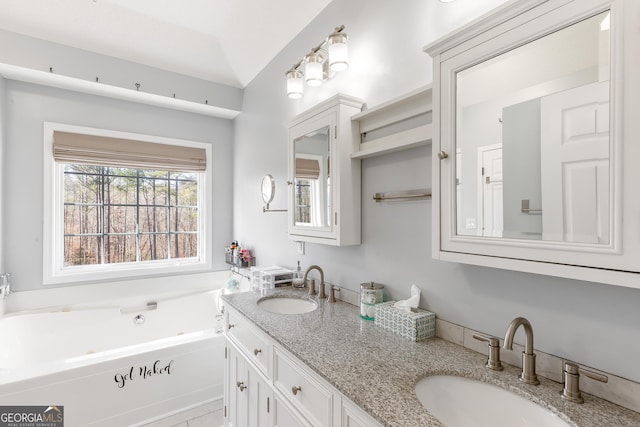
(378, 370)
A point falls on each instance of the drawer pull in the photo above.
(241, 385)
(295, 389)
(231, 325)
(256, 351)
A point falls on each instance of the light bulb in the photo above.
(338, 51)
(295, 86)
(313, 69)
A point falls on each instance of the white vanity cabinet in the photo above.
(285, 392)
(323, 178)
(534, 147)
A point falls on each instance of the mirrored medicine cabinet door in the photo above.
(312, 179)
(529, 148)
(532, 141)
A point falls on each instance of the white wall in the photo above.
(28, 106)
(590, 323)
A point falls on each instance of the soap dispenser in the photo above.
(298, 278)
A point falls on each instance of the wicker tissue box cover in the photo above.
(415, 325)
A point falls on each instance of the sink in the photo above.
(463, 402)
(287, 305)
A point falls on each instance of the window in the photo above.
(120, 206)
(117, 215)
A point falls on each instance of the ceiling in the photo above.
(223, 41)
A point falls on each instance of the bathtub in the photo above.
(118, 365)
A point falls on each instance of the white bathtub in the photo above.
(106, 368)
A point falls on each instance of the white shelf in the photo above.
(412, 104)
(28, 75)
(405, 140)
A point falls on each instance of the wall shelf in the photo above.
(27, 75)
(393, 121)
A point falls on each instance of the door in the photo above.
(575, 153)
(490, 206)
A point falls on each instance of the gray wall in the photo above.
(591, 323)
(29, 52)
(28, 106)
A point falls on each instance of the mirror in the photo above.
(312, 179)
(268, 188)
(532, 139)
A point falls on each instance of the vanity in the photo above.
(329, 367)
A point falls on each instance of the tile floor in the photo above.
(208, 415)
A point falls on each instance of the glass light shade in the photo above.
(338, 52)
(313, 69)
(295, 84)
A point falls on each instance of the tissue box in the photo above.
(415, 326)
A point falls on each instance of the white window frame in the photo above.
(54, 271)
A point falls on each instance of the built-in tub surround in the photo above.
(378, 370)
(137, 371)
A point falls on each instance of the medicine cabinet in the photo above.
(324, 181)
(535, 143)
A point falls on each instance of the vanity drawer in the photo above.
(254, 343)
(301, 387)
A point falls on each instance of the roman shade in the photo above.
(307, 168)
(78, 148)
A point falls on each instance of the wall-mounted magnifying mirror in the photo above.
(268, 188)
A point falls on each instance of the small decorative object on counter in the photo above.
(416, 325)
(370, 295)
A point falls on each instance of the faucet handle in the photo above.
(571, 374)
(332, 293)
(493, 359)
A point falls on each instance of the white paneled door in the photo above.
(575, 152)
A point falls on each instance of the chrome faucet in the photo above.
(312, 290)
(528, 374)
(5, 285)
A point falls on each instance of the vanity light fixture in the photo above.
(329, 56)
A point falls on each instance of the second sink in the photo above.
(463, 402)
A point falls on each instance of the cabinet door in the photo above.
(260, 399)
(237, 390)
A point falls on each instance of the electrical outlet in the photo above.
(300, 247)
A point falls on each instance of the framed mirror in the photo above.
(312, 181)
(268, 190)
(531, 135)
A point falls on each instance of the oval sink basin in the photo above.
(463, 402)
(287, 305)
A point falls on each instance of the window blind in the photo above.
(307, 169)
(78, 148)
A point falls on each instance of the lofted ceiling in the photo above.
(224, 41)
